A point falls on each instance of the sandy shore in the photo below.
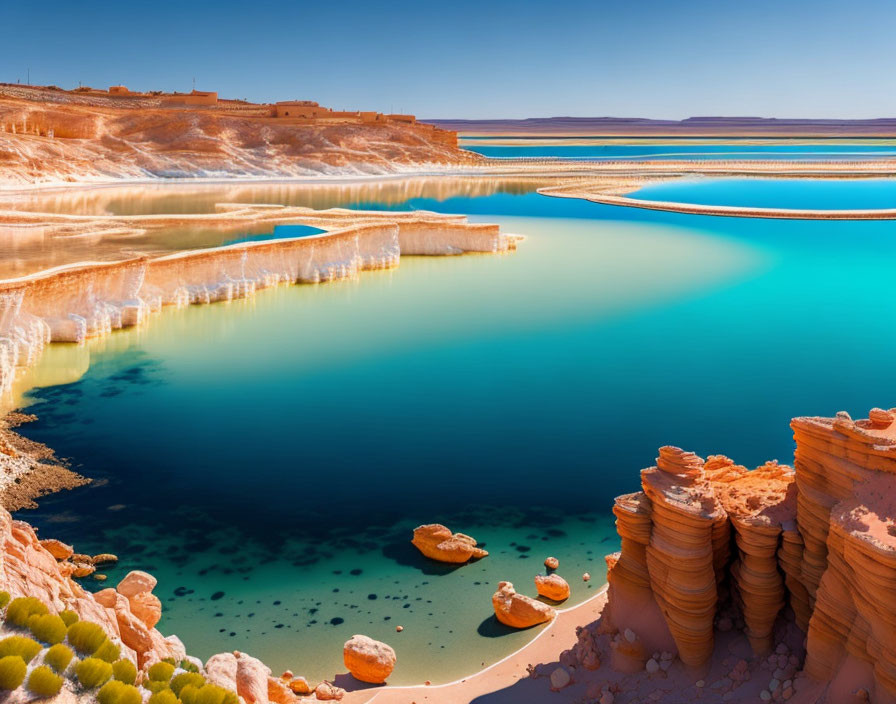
(489, 683)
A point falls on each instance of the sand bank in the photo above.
(611, 191)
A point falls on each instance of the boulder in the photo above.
(221, 669)
(251, 679)
(57, 548)
(368, 660)
(552, 587)
(328, 692)
(136, 582)
(279, 692)
(147, 607)
(518, 611)
(551, 563)
(438, 543)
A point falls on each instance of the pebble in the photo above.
(630, 635)
(701, 683)
(765, 695)
(652, 666)
(773, 685)
(399, 629)
(559, 678)
(586, 577)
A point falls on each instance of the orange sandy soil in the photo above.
(101, 139)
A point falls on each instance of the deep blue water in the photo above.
(673, 150)
(510, 395)
(777, 193)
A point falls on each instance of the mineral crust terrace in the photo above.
(73, 303)
(707, 544)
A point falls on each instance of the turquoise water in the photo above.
(268, 459)
(651, 150)
(281, 232)
(777, 193)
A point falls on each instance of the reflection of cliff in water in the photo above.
(150, 199)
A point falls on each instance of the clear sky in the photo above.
(476, 58)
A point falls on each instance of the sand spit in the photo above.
(72, 303)
(613, 190)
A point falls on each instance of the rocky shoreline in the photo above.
(29, 469)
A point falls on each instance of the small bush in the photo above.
(12, 672)
(188, 666)
(183, 679)
(155, 686)
(4, 599)
(48, 628)
(161, 672)
(58, 657)
(24, 647)
(44, 682)
(23, 608)
(115, 692)
(124, 671)
(163, 696)
(86, 637)
(92, 672)
(108, 651)
(68, 617)
(208, 694)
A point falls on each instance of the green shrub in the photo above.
(44, 682)
(163, 696)
(68, 617)
(4, 599)
(188, 666)
(183, 679)
(12, 672)
(124, 671)
(23, 608)
(108, 651)
(115, 692)
(207, 694)
(86, 637)
(58, 657)
(24, 647)
(161, 672)
(155, 686)
(92, 672)
(48, 628)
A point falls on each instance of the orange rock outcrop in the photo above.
(519, 611)
(819, 538)
(437, 542)
(368, 660)
(552, 587)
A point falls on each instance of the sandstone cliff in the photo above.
(707, 545)
(53, 136)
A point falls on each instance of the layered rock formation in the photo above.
(55, 136)
(437, 542)
(819, 539)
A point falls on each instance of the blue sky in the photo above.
(644, 58)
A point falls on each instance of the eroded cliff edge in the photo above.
(802, 560)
